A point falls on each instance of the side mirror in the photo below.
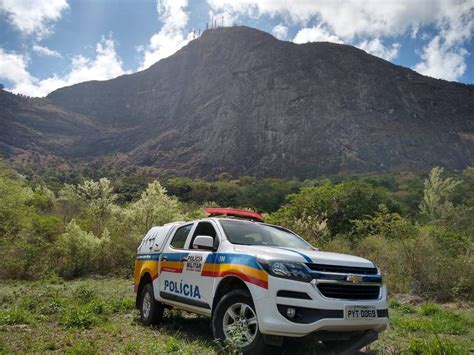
(203, 242)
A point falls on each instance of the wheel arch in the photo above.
(144, 279)
(226, 285)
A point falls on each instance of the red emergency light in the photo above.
(212, 212)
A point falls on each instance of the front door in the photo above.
(181, 267)
(202, 285)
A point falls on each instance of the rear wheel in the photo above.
(151, 311)
(235, 322)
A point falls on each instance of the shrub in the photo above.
(384, 224)
(14, 316)
(80, 317)
(77, 252)
(420, 265)
(435, 346)
(172, 345)
(52, 307)
(122, 305)
(339, 245)
(402, 308)
(430, 309)
(82, 348)
(84, 294)
(388, 257)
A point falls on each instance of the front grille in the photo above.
(343, 269)
(349, 292)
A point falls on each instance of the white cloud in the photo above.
(441, 61)
(105, 65)
(280, 31)
(13, 67)
(171, 37)
(445, 55)
(33, 17)
(345, 18)
(45, 51)
(363, 20)
(315, 34)
(377, 48)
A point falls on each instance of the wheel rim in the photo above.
(240, 324)
(146, 305)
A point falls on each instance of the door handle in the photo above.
(184, 258)
(165, 258)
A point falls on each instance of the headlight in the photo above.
(286, 269)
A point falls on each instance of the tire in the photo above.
(151, 311)
(237, 308)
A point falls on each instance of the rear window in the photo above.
(179, 238)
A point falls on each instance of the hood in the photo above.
(303, 255)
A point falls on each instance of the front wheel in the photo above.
(235, 323)
(151, 311)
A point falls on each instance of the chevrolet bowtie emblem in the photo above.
(355, 279)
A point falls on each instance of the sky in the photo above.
(48, 44)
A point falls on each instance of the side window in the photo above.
(179, 238)
(204, 228)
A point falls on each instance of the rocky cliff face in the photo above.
(237, 99)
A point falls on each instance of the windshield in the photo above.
(250, 233)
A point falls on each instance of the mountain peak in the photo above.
(237, 99)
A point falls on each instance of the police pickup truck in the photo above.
(259, 282)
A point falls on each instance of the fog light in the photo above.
(291, 312)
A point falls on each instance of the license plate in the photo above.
(360, 312)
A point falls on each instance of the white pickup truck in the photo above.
(262, 280)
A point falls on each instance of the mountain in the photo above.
(35, 131)
(236, 99)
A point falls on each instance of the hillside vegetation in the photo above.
(58, 227)
(418, 229)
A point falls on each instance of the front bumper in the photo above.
(319, 313)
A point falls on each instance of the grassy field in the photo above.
(98, 315)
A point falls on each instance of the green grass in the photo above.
(98, 315)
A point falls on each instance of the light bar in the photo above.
(212, 212)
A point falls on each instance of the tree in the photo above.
(15, 208)
(68, 204)
(99, 197)
(224, 176)
(339, 204)
(313, 228)
(155, 207)
(384, 224)
(180, 187)
(436, 203)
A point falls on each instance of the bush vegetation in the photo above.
(97, 315)
(417, 228)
